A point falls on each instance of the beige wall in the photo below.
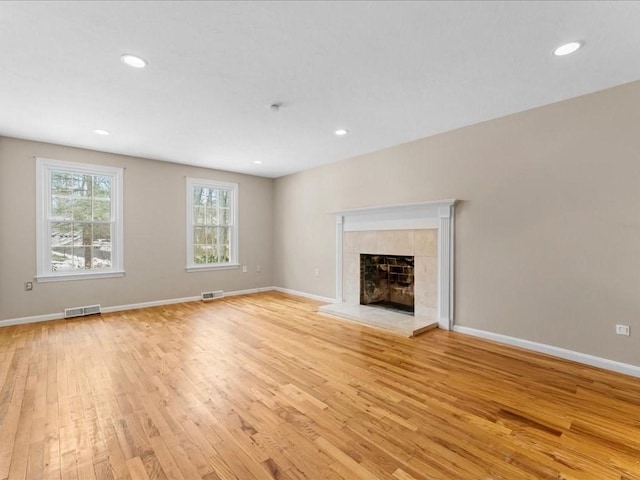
(547, 228)
(154, 226)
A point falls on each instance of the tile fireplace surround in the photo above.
(420, 244)
(423, 230)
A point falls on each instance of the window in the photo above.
(212, 223)
(79, 215)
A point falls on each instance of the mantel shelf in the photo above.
(395, 207)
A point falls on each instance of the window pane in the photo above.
(101, 209)
(199, 235)
(61, 183)
(82, 185)
(82, 234)
(211, 236)
(199, 254)
(101, 186)
(61, 259)
(224, 236)
(61, 208)
(82, 209)
(225, 220)
(101, 235)
(82, 257)
(212, 254)
(224, 254)
(61, 234)
(101, 256)
(200, 196)
(199, 215)
(101, 259)
(224, 198)
(212, 216)
(212, 197)
(196, 192)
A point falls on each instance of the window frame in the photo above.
(233, 262)
(44, 169)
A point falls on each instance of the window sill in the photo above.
(78, 276)
(205, 268)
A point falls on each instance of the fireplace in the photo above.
(424, 230)
(387, 281)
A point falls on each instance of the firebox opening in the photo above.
(387, 281)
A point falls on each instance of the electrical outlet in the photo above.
(244, 269)
(258, 268)
(317, 272)
(623, 330)
(28, 286)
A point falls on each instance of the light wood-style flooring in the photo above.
(262, 386)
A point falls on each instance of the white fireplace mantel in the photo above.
(408, 216)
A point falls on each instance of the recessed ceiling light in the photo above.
(133, 60)
(342, 131)
(100, 131)
(258, 162)
(567, 48)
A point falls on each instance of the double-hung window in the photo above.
(79, 213)
(212, 224)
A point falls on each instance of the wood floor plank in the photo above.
(263, 387)
(136, 469)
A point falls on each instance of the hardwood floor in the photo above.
(263, 387)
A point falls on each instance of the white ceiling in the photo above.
(389, 72)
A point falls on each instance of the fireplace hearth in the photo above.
(387, 281)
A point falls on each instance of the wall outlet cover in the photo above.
(623, 330)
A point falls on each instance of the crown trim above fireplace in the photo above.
(410, 216)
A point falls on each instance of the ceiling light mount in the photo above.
(568, 48)
(101, 131)
(275, 107)
(133, 60)
(341, 131)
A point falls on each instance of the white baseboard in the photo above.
(131, 306)
(249, 291)
(33, 319)
(592, 360)
(304, 294)
(156, 303)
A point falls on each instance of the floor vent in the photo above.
(212, 295)
(82, 311)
